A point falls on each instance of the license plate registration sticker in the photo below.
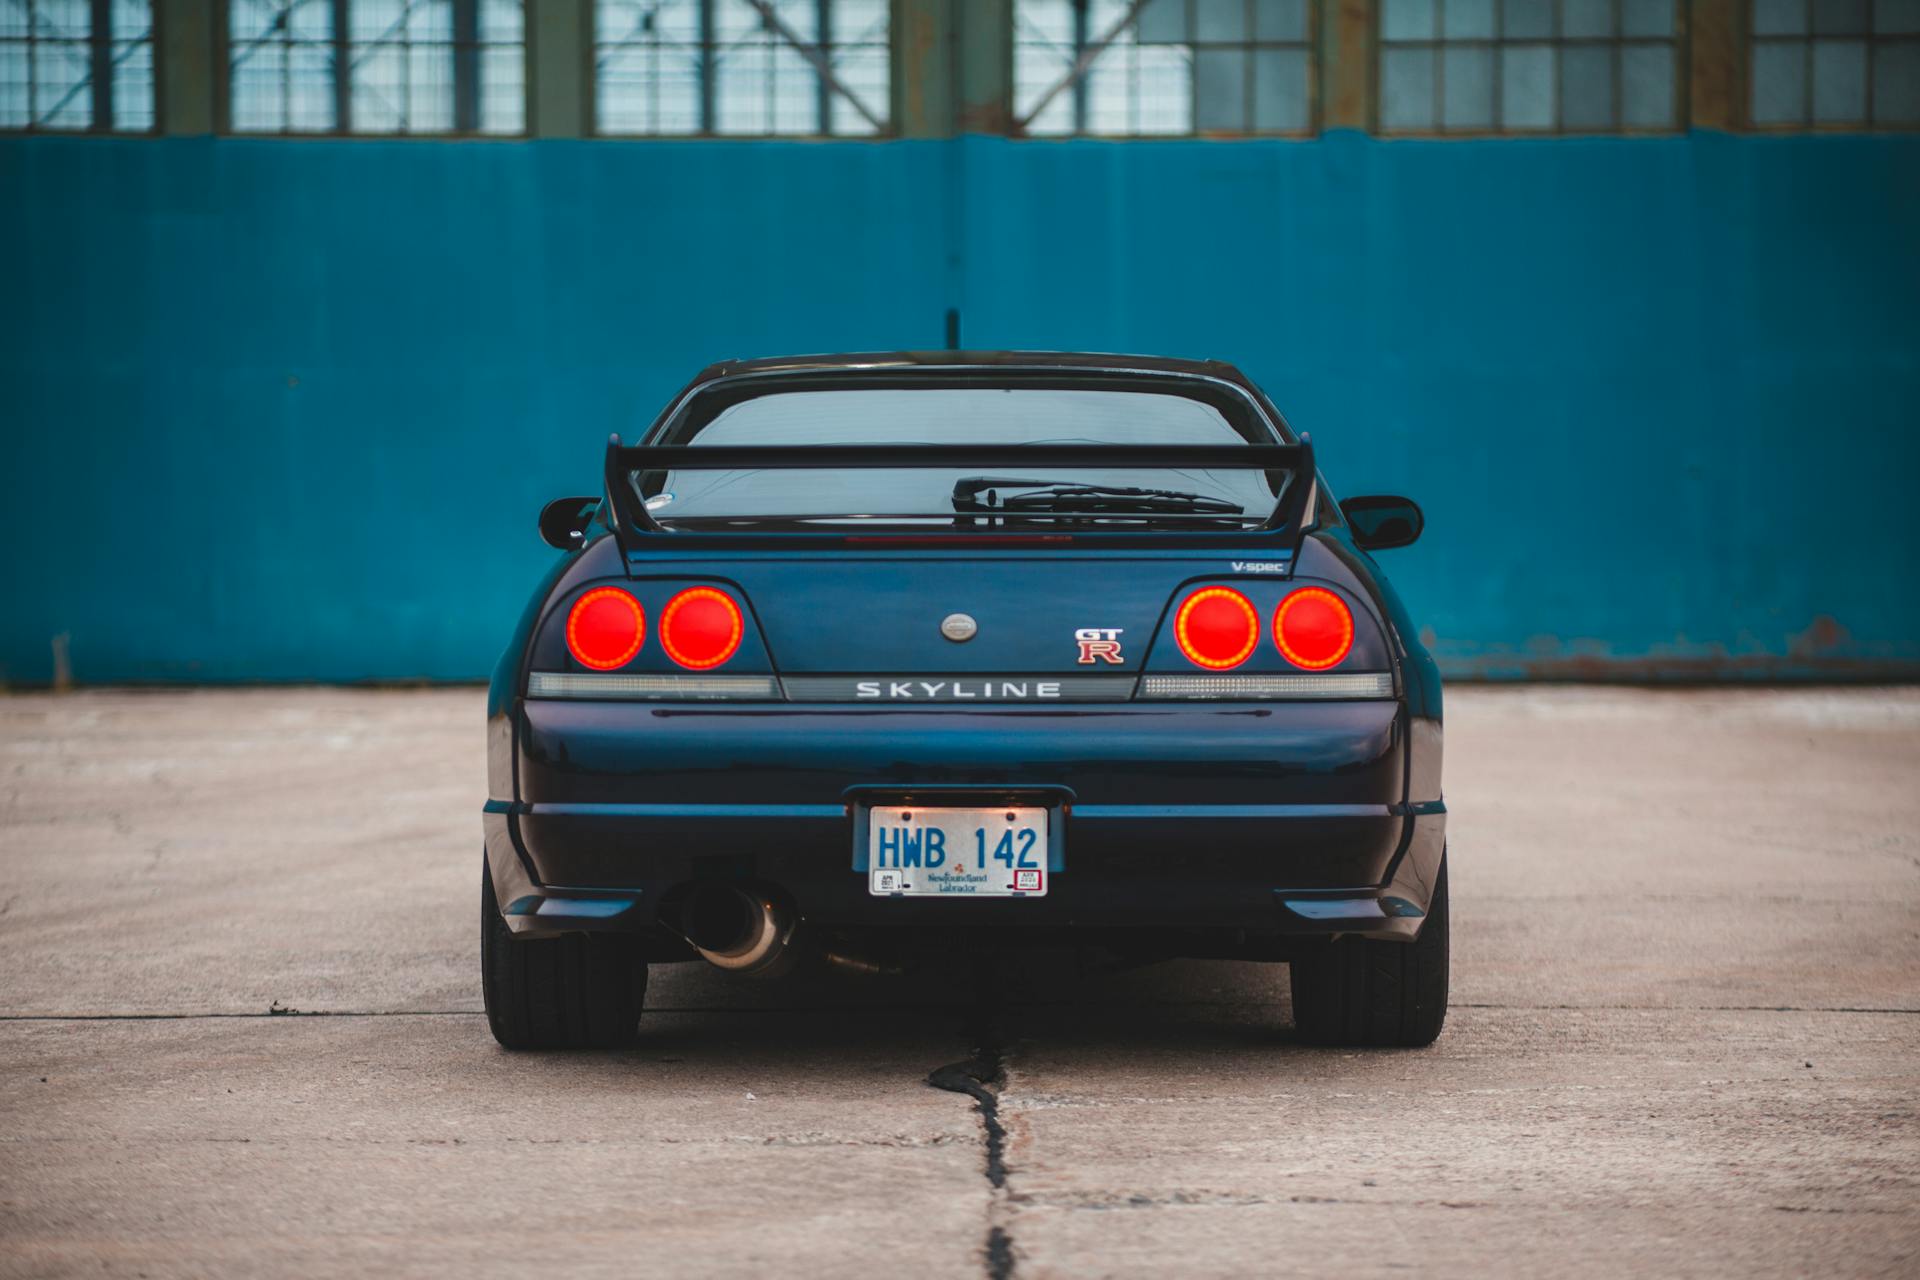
(957, 853)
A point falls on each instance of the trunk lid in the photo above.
(882, 614)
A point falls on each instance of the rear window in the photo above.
(945, 497)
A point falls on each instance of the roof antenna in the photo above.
(953, 328)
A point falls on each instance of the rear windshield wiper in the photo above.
(1056, 497)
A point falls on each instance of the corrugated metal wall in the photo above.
(286, 410)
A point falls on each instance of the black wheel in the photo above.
(1359, 991)
(576, 991)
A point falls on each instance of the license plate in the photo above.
(957, 853)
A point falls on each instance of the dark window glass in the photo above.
(1528, 66)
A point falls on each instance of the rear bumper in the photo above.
(1272, 821)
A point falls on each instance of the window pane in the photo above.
(1165, 90)
(1896, 17)
(1160, 22)
(1407, 19)
(1840, 17)
(503, 90)
(1780, 82)
(129, 19)
(1280, 90)
(1581, 19)
(1280, 20)
(306, 19)
(864, 70)
(62, 19)
(1220, 21)
(502, 22)
(429, 97)
(1467, 88)
(60, 97)
(1779, 17)
(310, 73)
(15, 96)
(860, 21)
(379, 87)
(429, 20)
(1526, 86)
(1406, 89)
(1896, 83)
(1646, 86)
(1839, 81)
(1646, 17)
(1219, 90)
(259, 100)
(1526, 19)
(250, 20)
(1586, 87)
(375, 19)
(131, 64)
(1468, 20)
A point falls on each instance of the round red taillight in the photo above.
(1216, 628)
(1313, 628)
(605, 628)
(701, 628)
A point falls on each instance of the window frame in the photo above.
(99, 52)
(1680, 42)
(341, 41)
(886, 127)
(1312, 43)
(1750, 45)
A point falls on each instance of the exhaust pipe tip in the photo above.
(741, 932)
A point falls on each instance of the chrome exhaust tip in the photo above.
(743, 932)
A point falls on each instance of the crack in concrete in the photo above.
(981, 1078)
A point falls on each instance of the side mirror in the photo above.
(1382, 520)
(564, 521)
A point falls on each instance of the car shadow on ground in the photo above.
(1054, 998)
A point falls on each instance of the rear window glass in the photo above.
(944, 496)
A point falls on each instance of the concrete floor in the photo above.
(1685, 1038)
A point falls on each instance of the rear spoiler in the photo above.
(623, 460)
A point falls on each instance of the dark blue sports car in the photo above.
(857, 658)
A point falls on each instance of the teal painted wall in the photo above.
(285, 410)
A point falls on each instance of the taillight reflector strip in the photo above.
(1254, 688)
(605, 628)
(1216, 628)
(701, 628)
(1313, 628)
(640, 685)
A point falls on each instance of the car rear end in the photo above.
(839, 694)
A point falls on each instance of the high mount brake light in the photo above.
(605, 628)
(1313, 628)
(1216, 628)
(701, 628)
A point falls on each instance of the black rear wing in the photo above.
(1288, 512)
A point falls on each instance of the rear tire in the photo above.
(1360, 991)
(575, 991)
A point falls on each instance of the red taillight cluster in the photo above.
(1313, 628)
(605, 628)
(700, 628)
(1217, 628)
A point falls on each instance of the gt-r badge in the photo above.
(1099, 644)
(958, 627)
